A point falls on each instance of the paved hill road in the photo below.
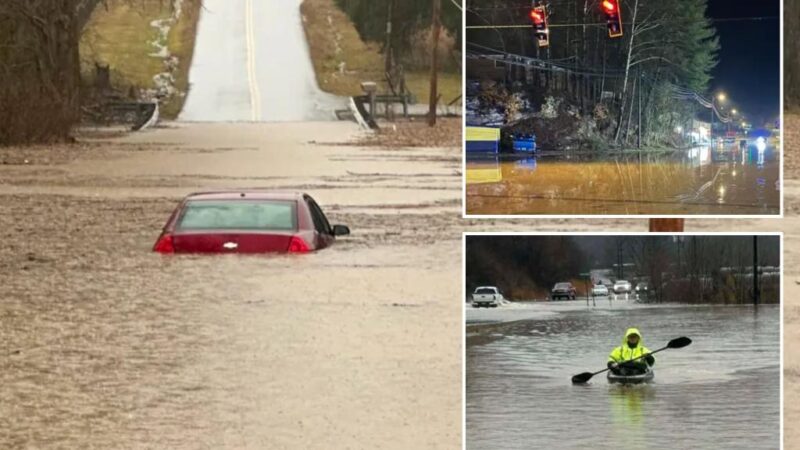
(251, 64)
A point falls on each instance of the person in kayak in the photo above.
(619, 361)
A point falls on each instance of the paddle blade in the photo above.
(679, 342)
(582, 377)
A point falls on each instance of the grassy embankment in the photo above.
(121, 36)
(333, 40)
(791, 135)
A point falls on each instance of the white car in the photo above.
(599, 290)
(487, 296)
(622, 287)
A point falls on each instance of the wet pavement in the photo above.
(722, 181)
(251, 64)
(722, 391)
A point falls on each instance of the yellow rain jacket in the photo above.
(625, 353)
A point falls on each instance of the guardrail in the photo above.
(139, 115)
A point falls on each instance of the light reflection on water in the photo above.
(701, 180)
(720, 392)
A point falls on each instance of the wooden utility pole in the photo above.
(388, 46)
(666, 225)
(435, 29)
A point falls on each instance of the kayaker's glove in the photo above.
(649, 358)
(612, 365)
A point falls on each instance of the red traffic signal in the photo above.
(613, 17)
(539, 18)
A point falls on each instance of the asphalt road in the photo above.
(251, 64)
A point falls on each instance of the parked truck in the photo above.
(487, 296)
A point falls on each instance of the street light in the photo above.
(722, 97)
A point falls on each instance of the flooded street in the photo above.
(108, 345)
(698, 181)
(722, 391)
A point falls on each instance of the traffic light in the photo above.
(613, 17)
(539, 18)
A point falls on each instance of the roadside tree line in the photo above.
(684, 269)
(791, 49)
(409, 39)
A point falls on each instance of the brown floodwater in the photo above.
(721, 181)
(108, 345)
(722, 391)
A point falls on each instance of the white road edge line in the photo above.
(255, 94)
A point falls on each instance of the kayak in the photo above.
(631, 379)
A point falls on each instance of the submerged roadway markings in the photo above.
(252, 79)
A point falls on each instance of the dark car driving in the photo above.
(563, 290)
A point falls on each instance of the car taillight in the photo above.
(298, 245)
(164, 244)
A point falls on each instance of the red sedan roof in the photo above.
(246, 193)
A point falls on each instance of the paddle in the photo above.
(675, 343)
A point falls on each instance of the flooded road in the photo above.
(723, 391)
(108, 345)
(697, 181)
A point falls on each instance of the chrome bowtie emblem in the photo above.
(230, 245)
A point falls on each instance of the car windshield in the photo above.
(238, 215)
(562, 286)
(484, 291)
(622, 282)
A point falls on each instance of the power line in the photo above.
(678, 92)
(602, 24)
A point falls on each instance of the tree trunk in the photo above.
(40, 92)
(627, 69)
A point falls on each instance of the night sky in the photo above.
(749, 57)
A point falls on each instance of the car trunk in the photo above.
(232, 242)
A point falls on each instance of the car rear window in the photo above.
(562, 286)
(239, 215)
(485, 291)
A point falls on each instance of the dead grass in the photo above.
(791, 145)
(417, 133)
(120, 35)
(342, 60)
(449, 85)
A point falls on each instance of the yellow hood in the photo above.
(629, 332)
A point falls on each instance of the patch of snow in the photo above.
(165, 81)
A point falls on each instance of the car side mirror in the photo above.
(340, 230)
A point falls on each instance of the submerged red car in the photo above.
(247, 222)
